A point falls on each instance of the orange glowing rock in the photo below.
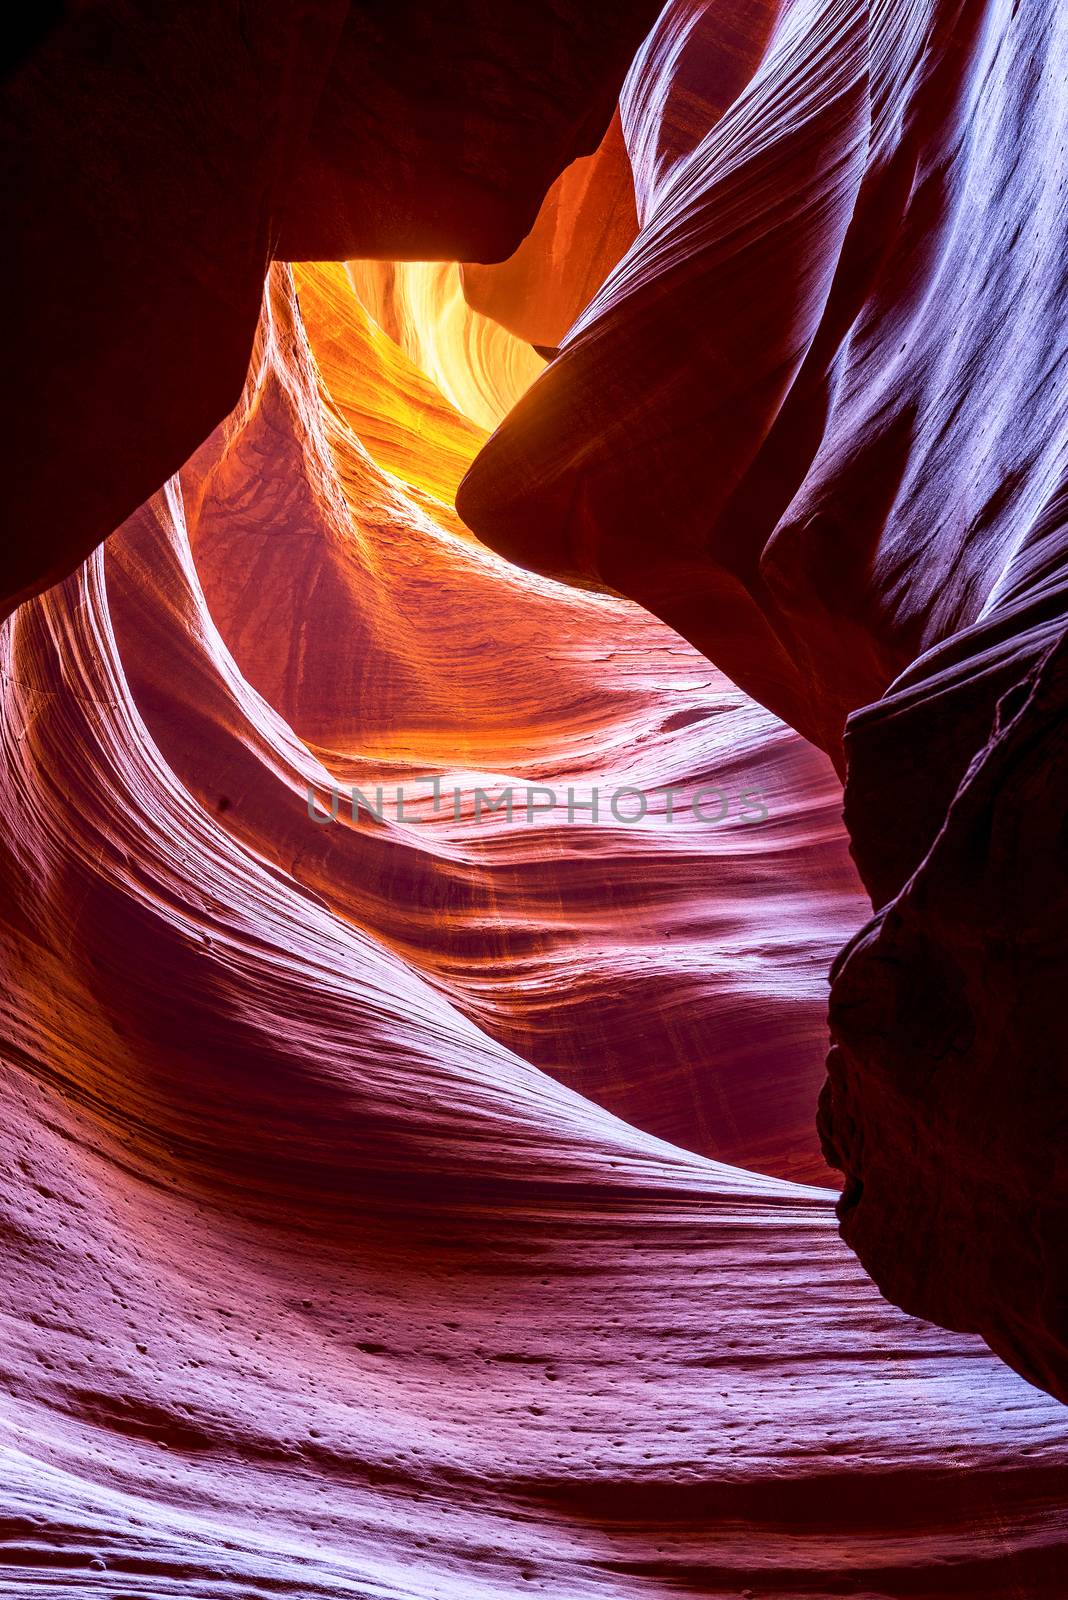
(817, 421)
(586, 222)
(408, 1196)
(313, 1278)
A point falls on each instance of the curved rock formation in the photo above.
(315, 1284)
(473, 361)
(586, 222)
(600, 948)
(843, 318)
(406, 1196)
(156, 162)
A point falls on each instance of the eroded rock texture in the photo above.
(315, 1283)
(155, 161)
(428, 1204)
(586, 222)
(816, 420)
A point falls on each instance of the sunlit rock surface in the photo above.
(321, 1277)
(585, 224)
(427, 1202)
(817, 419)
(637, 959)
(155, 162)
(472, 360)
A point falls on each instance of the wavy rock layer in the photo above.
(817, 419)
(636, 960)
(473, 361)
(315, 1283)
(586, 222)
(157, 162)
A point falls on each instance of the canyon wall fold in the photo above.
(156, 163)
(412, 1196)
(314, 1281)
(817, 420)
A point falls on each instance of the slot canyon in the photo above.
(534, 792)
